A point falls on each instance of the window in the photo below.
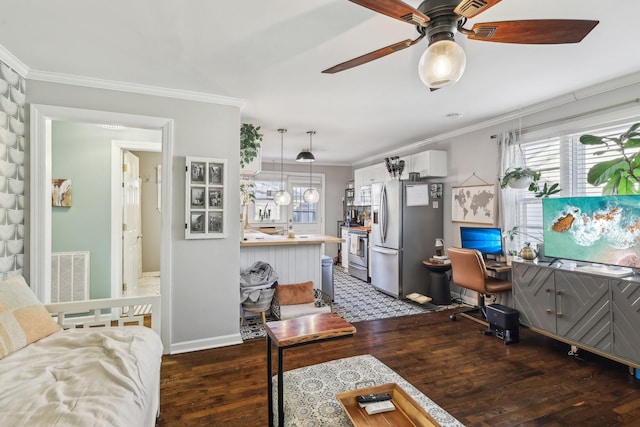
(263, 207)
(303, 212)
(561, 159)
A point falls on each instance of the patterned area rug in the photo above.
(354, 301)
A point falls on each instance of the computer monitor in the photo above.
(487, 240)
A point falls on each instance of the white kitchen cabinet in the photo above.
(362, 180)
(431, 163)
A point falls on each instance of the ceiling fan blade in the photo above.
(371, 56)
(395, 9)
(471, 8)
(536, 31)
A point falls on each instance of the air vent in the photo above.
(485, 31)
(412, 18)
(471, 7)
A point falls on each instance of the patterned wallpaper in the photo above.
(12, 144)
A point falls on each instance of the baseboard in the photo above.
(205, 344)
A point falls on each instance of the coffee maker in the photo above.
(351, 216)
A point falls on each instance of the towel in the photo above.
(354, 245)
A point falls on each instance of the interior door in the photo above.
(131, 222)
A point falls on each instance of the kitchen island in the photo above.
(297, 259)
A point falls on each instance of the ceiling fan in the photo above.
(444, 61)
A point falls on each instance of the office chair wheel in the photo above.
(453, 317)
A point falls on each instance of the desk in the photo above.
(504, 268)
(502, 272)
(439, 289)
(295, 332)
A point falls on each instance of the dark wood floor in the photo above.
(478, 379)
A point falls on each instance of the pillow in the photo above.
(23, 319)
(298, 293)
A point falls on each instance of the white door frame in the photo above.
(117, 148)
(40, 200)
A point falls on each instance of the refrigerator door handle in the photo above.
(384, 251)
(383, 214)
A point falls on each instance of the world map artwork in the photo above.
(473, 204)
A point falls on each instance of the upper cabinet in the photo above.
(432, 163)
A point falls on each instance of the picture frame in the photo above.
(474, 203)
(61, 192)
(205, 198)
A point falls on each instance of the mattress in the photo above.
(83, 377)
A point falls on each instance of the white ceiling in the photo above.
(271, 54)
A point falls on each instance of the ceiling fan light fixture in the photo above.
(442, 64)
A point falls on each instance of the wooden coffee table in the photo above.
(295, 332)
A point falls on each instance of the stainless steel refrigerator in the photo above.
(407, 220)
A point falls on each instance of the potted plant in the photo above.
(250, 138)
(527, 252)
(523, 177)
(519, 177)
(620, 175)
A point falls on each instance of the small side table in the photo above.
(295, 332)
(439, 289)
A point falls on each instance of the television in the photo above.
(487, 240)
(601, 229)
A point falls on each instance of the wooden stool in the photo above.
(262, 312)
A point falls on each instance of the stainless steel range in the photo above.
(359, 254)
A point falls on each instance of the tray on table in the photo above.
(407, 412)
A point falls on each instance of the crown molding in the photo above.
(70, 79)
(580, 94)
(13, 62)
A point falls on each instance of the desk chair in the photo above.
(468, 271)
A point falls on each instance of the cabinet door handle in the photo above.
(559, 294)
(548, 309)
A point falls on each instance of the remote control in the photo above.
(377, 397)
(378, 407)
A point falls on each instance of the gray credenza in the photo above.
(597, 313)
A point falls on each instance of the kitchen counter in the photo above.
(358, 228)
(295, 260)
(263, 239)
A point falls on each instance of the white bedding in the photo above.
(83, 377)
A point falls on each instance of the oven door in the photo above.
(358, 249)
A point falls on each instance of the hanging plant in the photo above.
(250, 138)
(522, 177)
(622, 174)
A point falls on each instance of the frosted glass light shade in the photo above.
(282, 198)
(311, 195)
(442, 64)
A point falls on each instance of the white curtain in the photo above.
(510, 155)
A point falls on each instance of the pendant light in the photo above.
(282, 197)
(306, 156)
(311, 195)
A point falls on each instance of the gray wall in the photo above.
(204, 296)
(151, 216)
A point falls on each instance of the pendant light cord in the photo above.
(282, 131)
